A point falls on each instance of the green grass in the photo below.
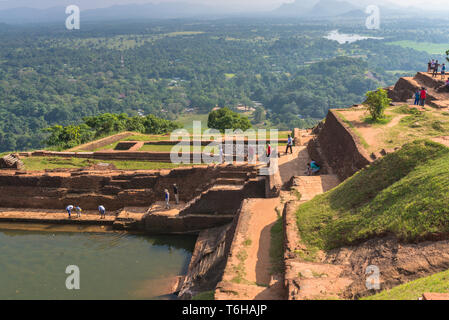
(382, 121)
(429, 47)
(168, 148)
(436, 283)
(187, 121)
(42, 163)
(277, 247)
(353, 129)
(207, 295)
(405, 194)
(147, 137)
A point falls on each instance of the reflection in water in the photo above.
(113, 265)
(343, 38)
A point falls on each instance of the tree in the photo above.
(225, 118)
(259, 115)
(377, 102)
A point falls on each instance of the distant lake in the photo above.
(343, 38)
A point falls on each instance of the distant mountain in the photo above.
(331, 8)
(319, 8)
(170, 10)
(31, 15)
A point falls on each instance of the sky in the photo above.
(240, 4)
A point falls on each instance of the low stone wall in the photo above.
(291, 243)
(227, 200)
(188, 224)
(113, 189)
(91, 146)
(342, 149)
(208, 261)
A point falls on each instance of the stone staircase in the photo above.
(225, 195)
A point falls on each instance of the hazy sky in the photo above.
(238, 4)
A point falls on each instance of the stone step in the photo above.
(230, 181)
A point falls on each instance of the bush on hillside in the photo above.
(377, 102)
(225, 118)
(103, 125)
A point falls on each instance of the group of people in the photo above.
(78, 210)
(434, 67)
(420, 97)
(167, 196)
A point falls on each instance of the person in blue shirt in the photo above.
(417, 97)
(313, 168)
(289, 145)
(167, 199)
(443, 71)
(102, 211)
(69, 210)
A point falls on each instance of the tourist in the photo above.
(251, 154)
(429, 66)
(443, 71)
(435, 69)
(268, 151)
(167, 199)
(69, 210)
(289, 145)
(78, 211)
(417, 97)
(220, 148)
(175, 192)
(102, 211)
(423, 97)
(313, 168)
(432, 65)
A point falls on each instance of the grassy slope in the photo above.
(436, 283)
(405, 193)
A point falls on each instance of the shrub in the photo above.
(377, 102)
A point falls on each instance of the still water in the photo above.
(343, 38)
(112, 265)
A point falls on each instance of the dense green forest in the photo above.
(50, 76)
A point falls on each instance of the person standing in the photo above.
(443, 71)
(429, 66)
(423, 97)
(102, 211)
(78, 211)
(167, 199)
(268, 151)
(289, 145)
(417, 97)
(435, 69)
(69, 210)
(175, 192)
